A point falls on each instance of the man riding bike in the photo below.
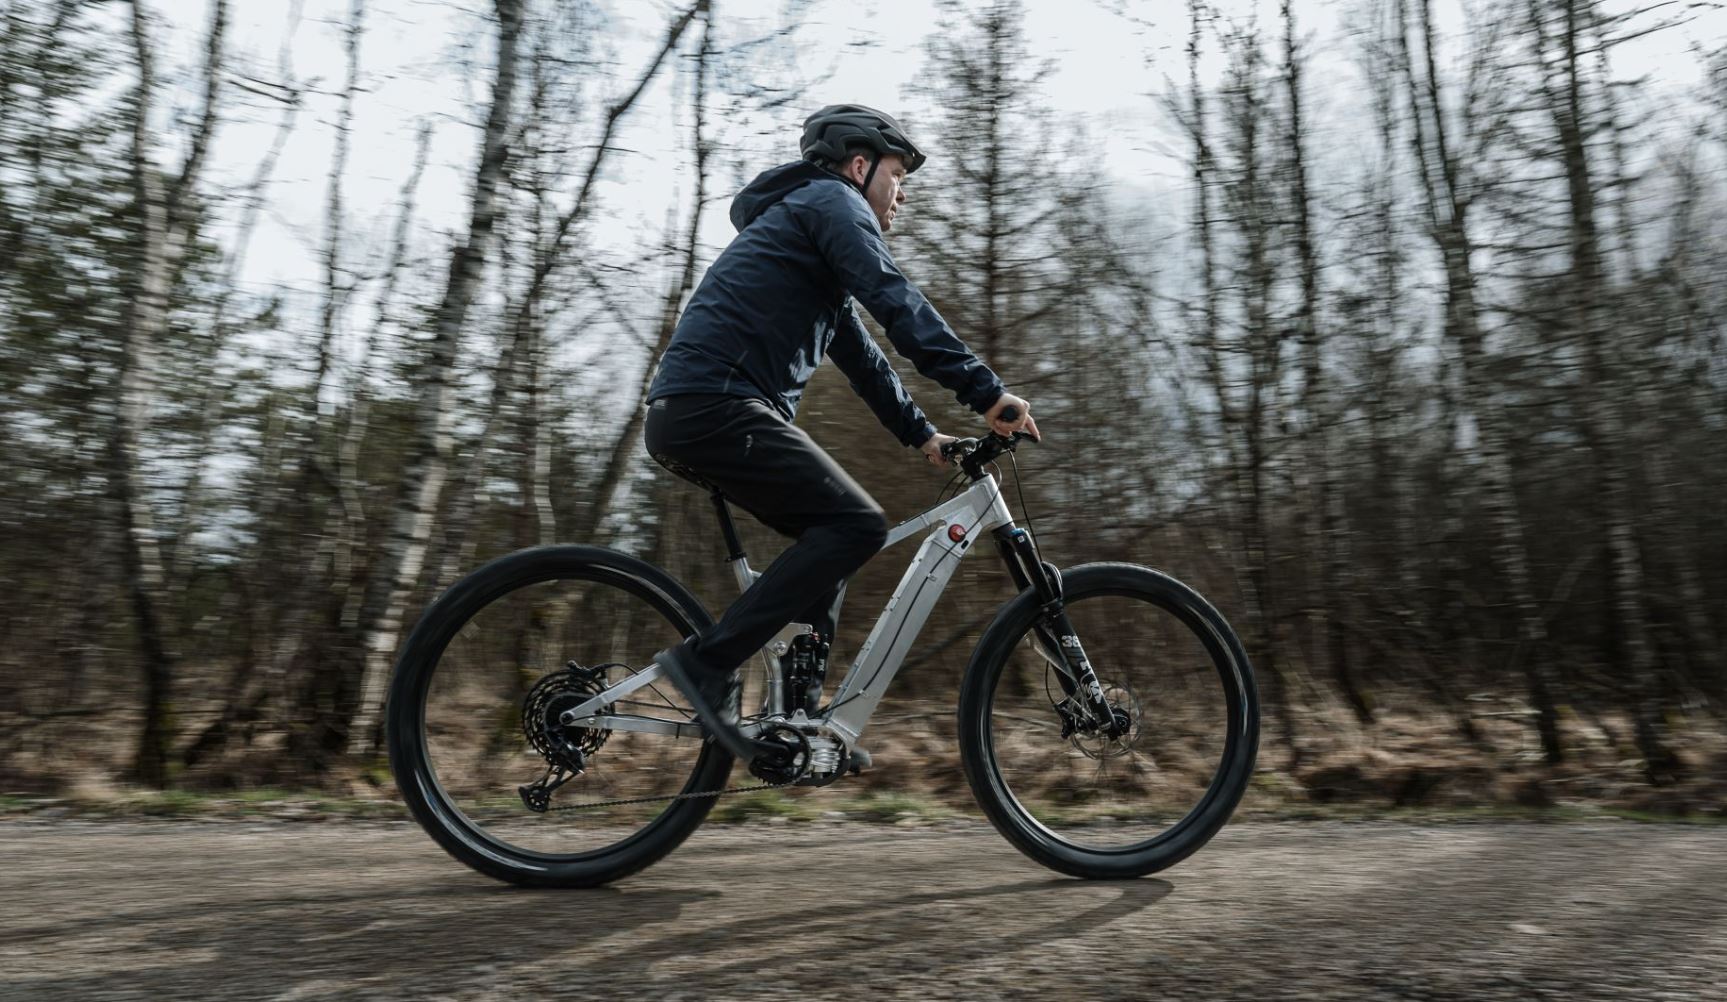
(771, 306)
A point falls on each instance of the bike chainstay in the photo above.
(668, 796)
(657, 799)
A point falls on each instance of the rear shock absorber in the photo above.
(805, 668)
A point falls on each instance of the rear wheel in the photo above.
(476, 743)
(1059, 787)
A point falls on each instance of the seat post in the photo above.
(728, 529)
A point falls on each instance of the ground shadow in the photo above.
(424, 941)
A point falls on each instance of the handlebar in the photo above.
(974, 454)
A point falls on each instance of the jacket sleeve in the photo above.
(855, 352)
(850, 241)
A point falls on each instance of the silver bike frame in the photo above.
(973, 511)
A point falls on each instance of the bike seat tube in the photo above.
(728, 528)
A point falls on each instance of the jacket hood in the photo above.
(770, 186)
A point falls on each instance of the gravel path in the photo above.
(342, 910)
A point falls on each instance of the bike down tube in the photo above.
(977, 510)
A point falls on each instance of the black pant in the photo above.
(773, 470)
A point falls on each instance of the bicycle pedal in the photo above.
(858, 761)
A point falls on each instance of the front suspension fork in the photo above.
(1054, 630)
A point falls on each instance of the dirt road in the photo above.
(342, 910)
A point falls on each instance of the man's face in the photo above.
(886, 190)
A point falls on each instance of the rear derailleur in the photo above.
(565, 749)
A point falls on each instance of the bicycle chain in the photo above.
(664, 797)
(801, 774)
(669, 796)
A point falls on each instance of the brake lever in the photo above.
(959, 448)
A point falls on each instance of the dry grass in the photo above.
(1410, 759)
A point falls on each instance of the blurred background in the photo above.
(1393, 326)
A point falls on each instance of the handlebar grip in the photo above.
(1009, 413)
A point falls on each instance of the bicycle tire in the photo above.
(416, 776)
(1016, 820)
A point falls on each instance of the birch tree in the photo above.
(1559, 37)
(399, 562)
(162, 235)
(1448, 193)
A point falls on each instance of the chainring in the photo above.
(791, 765)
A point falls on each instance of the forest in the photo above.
(1411, 361)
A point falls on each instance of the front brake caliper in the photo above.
(1073, 717)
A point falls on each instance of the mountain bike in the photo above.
(1108, 719)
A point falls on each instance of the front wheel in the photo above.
(1067, 792)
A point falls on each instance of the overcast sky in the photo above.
(1108, 66)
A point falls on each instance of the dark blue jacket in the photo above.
(778, 298)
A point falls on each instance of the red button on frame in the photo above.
(956, 532)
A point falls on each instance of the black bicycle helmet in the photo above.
(836, 132)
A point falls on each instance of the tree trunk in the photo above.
(1486, 451)
(422, 483)
(314, 597)
(162, 234)
(1325, 493)
(625, 448)
(1605, 425)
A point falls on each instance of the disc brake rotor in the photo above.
(1097, 745)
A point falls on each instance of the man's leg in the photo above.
(824, 613)
(773, 470)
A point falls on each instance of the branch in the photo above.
(207, 120)
(544, 268)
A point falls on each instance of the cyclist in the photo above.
(721, 406)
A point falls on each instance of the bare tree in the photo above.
(1448, 195)
(399, 564)
(1561, 49)
(1328, 541)
(626, 448)
(163, 234)
(287, 91)
(523, 343)
(314, 592)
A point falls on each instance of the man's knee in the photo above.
(868, 528)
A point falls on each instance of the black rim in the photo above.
(438, 800)
(1219, 787)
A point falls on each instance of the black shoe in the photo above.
(714, 696)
